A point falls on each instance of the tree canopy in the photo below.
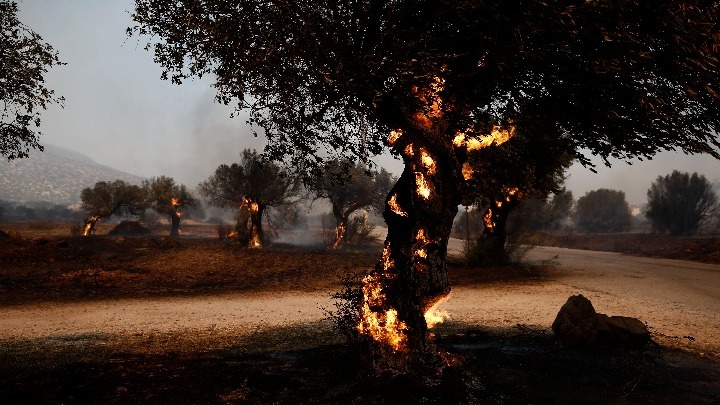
(602, 210)
(24, 60)
(621, 78)
(679, 203)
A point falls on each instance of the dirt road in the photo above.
(680, 301)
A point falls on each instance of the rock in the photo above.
(575, 324)
(622, 331)
(578, 325)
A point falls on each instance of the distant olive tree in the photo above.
(680, 203)
(250, 187)
(602, 210)
(24, 60)
(166, 197)
(349, 187)
(108, 198)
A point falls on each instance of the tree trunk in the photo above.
(175, 224)
(491, 244)
(412, 274)
(90, 225)
(340, 232)
(257, 239)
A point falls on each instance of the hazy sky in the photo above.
(121, 114)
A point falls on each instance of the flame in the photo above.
(233, 234)
(175, 202)
(427, 161)
(434, 316)
(395, 207)
(467, 171)
(394, 136)
(409, 150)
(497, 136)
(89, 224)
(382, 326)
(255, 241)
(487, 220)
(423, 188)
(459, 140)
(513, 192)
(433, 103)
(423, 241)
(388, 262)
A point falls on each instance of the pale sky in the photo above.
(120, 113)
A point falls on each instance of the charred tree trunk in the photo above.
(340, 232)
(412, 274)
(90, 225)
(492, 242)
(257, 239)
(175, 224)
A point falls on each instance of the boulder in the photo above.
(622, 331)
(575, 324)
(578, 325)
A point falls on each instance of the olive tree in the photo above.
(250, 187)
(349, 187)
(24, 60)
(108, 198)
(168, 198)
(679, 203)
(438, 82)
(602, 210)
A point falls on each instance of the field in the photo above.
(151, 319)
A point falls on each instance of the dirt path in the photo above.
(675, 298)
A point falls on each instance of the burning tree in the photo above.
(437, 83)
(251, 186)
(499, 184)
(24, 60)
(106, 199)
(349, 187)
(166, 197)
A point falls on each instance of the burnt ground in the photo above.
(298, 363)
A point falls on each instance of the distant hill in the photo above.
(56, 175)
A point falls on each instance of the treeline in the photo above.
(679, 204)
(36, 211)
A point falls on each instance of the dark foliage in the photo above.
(602, 210)
(24, 60)
(680, 203)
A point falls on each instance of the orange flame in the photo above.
(383, 325)
(423, 188)
(433, 103)
(435, 316)
(89, 225)
(467, 171)
(394, 136)
(487, 220)
(175, 202)
(409, 150)
(422, 240)
(427, 161)
(395, 207)
(497, 137)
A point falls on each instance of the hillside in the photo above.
(56, 175)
